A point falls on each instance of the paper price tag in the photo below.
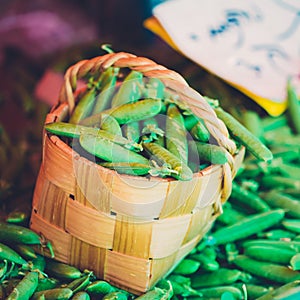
(254, 45)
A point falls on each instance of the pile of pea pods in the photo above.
(252, 251)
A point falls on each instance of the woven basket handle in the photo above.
(170, 78)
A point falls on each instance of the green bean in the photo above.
(211, 153)
(54, 294)
(291, 224)
(162, 155)
(61, 270)
(270, 271)
(99, 287)
(286, 291)
(270, 254)
(187, 266)
(130, 89)
(11, 255)
(84, 107)
(108, 84)
(222, 276)
(279, 200)
(176, 140)
(18, 234)
(248, 198)
(25, 288)
(293, 108)
(109, 151)
(81, 296)
(244, 136)
(246, 227)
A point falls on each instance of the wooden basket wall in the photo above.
(131, 231)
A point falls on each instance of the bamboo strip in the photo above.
(127, 272)
(89, 225)
(59, 239)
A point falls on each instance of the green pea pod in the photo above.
(84, 106)
(277, 234)
(118, 295)
(295, 262)
(153, 89)
(176, 139)
(240, 133)
(47, 283)
(25, 251)
(293, 108)
(25, 288)
(53, 294)
(109, 151)
(100, 287)
(156, 294)
(287, 291)
(108, 80)
(137, 111)
(278, 200)
(187, 266)
(282, 244)
(253, 290)
(270, 254)
(270, 271)
(130, 89)
(248, 198)
(252, 121)
(218, 291)
(246, 227)
(277, 181)
(38, 263)
(61, 270)
(180, 170)
(151, 130)
(11, 255)
(291, 224)
(18, 234)
(128, 168)
(81, 296)
(132, 131)
(79, 284)
(222, 276)
(206, 262)
(211, 153)
(230, 215)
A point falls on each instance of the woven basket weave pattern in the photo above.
(100, 220)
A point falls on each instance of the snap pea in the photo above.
(100, 287)
(293, 108)
(38, 263)
(187, 266)
(240, 133)
(53, 294)
(291, 224)
(25, 288)
(253, 291)
(130, 89)
(84, 107)
(252, 121)
(11, 255)
(110, 151)
(270, 254)
(47, 283)
(162, 155)
(248, 198)
(108, 80)
(211, 153)
(277, 234)
(218, 291)
(117, 295)
(151, 130)
(154, 89)
(270, 271)
(156, 294)
(206, 262)
(79, 284)
(183, 290)
(287, 291)
(295, 262)
(279, 200)
(222, 276)
(132, 131)
(276, 181)
(81, 296)
(61, 270)
(246, 227)
(197, 128)
(128, 168)
(283, 244)
(13, 233)
(137, 111)
(25, 251)
(176, 139)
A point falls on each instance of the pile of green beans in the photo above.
(134, 125)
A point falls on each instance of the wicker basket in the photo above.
(130, 230)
